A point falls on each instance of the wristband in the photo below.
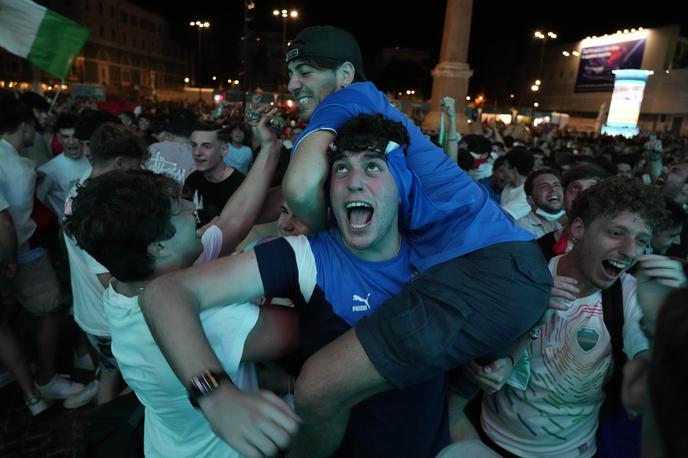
(204, 384)
(455, 139)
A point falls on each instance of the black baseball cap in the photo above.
(327, 41)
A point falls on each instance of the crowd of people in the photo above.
(344, 284)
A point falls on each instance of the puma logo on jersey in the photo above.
(360, 308)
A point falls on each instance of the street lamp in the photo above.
(199, 25)
(538, 35)
(285, 15)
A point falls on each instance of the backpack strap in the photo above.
(612, 309)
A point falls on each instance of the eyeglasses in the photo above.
(189, 211)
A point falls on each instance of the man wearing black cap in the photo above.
(482, 282)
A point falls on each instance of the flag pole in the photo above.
(59, 90)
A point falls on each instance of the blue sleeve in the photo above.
(278, 269)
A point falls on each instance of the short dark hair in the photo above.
(182, 122)
(583, 172)
(615, 195)
(111, 140)
(117, 215)
(13, 113)
(669, 373)
(528, 185)
(206, 126)
(521, 159)
(477, 144)
(369, 133)
(34, 101)
(66, 121)
(498, 162)
(90, 120)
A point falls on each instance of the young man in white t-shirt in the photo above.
(554, 412)
(64, 170)
(113, 147)
(160, 236)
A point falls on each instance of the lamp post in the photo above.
(200, 25)
(285, 15)
(544, 37)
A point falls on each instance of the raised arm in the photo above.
(448, 105)
(305, 178)
(242, 210)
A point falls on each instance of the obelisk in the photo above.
(450, 76)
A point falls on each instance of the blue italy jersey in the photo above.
(445, 213)
(335, 290)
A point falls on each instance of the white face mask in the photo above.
(550, 216)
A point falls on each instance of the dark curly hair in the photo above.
(369, 133)
(117, 215)
(614, 195)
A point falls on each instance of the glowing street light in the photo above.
(541, 36)
(575, 53)
(186, 80)
(536, 104)
(537, 82)
(214, 78)
(566, 53)
(534, 88)
(199, 25)
(468, 98)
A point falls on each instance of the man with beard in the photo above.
(546, 198)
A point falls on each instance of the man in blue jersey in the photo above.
(340, 276)
(482, 283)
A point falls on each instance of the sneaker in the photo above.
(37, 405)
(83, 362)
(86, 395)
(60, 387)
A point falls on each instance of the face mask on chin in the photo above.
(550, 216)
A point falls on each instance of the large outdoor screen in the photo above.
(598, 61)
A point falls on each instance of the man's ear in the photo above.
(156, 249)
(530, 202)
(345, 75)
(577, 228)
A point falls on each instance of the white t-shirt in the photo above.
(61, 175)
(171, 158)
(514, 202)
(87, 290)
(557, 414)
(173, 428)
(17, 185)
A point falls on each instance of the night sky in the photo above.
(502, 51)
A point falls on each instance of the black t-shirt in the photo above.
(210, 198)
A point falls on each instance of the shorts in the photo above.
(471, 308)
(102, 346)
(35, 286)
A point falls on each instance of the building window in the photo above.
(133, 40)
(113, 35)
(87, 5)
(124, 38)
(101, 31)
(134, 20)
(123, 17)
(112, 12)
(100, 7)
(68, 4)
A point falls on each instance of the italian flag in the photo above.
(50, 41)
